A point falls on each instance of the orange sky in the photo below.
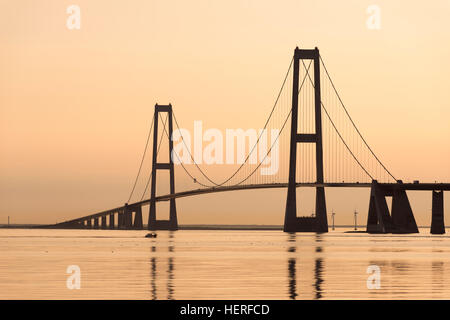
(75, 105)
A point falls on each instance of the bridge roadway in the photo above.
(386, 186)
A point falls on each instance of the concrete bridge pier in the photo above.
(402, 215)
(138, 218)
(127, 217)
(378, 219)
(437, 213)
(96, 225)
(89, 223)
(104, 226)
(120, 222)
(111, 220)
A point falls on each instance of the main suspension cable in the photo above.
(351, 120)
(276, 139)
(142, 160)
(179, 160)
(254, 146)
(337, 131)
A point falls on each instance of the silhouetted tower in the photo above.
(437, 213)
(291, 222)
(172, 223)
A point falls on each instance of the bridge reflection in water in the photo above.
(154, 262)
(232, 264)
(162, 270)
(235, 264)
(293, 288)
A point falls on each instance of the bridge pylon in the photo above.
(400, 219)
(153, 223)
(319, 223)
(437, 212)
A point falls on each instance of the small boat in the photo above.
(151, 235)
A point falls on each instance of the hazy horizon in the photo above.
(76, 105)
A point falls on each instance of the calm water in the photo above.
(222, 265)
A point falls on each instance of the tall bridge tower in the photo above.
(172, 223)
(319, 223)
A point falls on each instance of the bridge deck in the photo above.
(391, 186)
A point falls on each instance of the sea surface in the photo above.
(222, 264)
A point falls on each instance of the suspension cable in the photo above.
(254, 146)
(337, 131)
(142, 160)
(273, 144)
(179, 160)
(157, 152)
(276, 139)
(351, 120)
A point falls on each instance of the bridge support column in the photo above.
(402, 215)
(111, 221)
(437, 213)
(128, 217)
(291, 222)
(96, 223)
(89, 223)
(138, 218)
(378, 219)
(153, 223)
(104, 226)
(120, 222)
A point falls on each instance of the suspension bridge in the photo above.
(326, 150)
